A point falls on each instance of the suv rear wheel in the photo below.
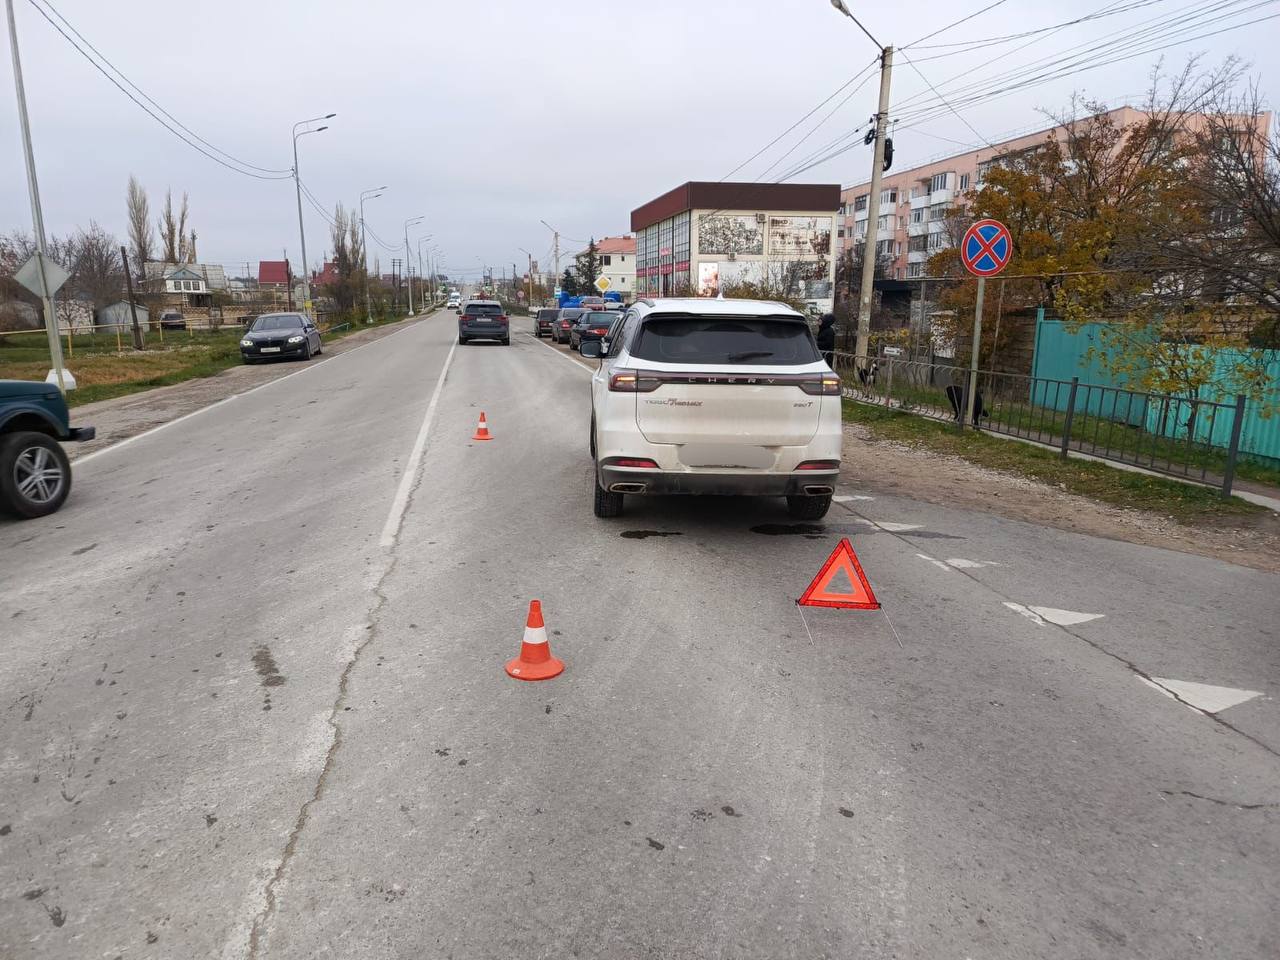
(35, 474)
(809, 508)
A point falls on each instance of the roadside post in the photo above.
(133, 307)
(985, 250)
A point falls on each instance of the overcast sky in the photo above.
(489, 116)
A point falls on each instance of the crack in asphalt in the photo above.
(372, 622)
(1220, 802)
(905, 538)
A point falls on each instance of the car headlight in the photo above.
(246, 343)
(296, 339)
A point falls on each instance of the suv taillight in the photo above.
(633, 381)
(827, 385)
(502, 318)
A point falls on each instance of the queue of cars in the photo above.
(574, 325)
(699, 396)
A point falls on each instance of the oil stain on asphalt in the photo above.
(645, 534)
(265, 664)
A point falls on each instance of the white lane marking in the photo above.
(236, 396)
(890, 527)
(1026, 612)
(538, 340)
(1204, 697)
(936, 563)
(396, 516)
(1066, 618)
(962, 564)
(846, 498)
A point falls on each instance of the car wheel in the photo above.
(306, 350)
(506, 342)
(607, 504)
(462, 339)
(35, 474)
(319, 347)
(809, 508)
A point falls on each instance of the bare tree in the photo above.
(141, 239)
(168, 230)
(184, 255)
(191, 248)
(99, 277)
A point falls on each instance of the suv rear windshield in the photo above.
(483, 310)
(601, 318)
(750, 340)
(571, 313)
(548, 314)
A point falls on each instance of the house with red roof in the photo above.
(618, 263)
(274, 274)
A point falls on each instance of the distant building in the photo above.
(701, 236)
(618, 263)
(118, 316)
(914, 203)
(274, 274)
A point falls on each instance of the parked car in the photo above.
(592, 325)
(543, 321)
(275, 336)
(484, 320)
(714, 397)
(172, 320)
(35, 474)
(564, 322)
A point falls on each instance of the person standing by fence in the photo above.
(827, 337)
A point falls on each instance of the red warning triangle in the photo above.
(842, 559)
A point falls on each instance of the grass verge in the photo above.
(1184, 502)
(102, 373)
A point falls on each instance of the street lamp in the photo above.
(364, 249)
(423, 296)
(862, 350)
(407, 224)
(530, 274)
(297, 185)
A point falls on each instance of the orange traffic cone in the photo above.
(482, 431)
(535, 661)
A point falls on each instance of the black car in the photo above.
(560, 326)
(592, 325)
(543, 321)
(276, 335)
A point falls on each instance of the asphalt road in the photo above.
(254, 706)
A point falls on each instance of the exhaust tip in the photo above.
(818, 490)
(626, 488)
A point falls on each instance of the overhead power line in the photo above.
(956, 23)
(146, 103)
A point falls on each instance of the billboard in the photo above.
(730, 234)
(800, 236)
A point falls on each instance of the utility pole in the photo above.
(37, 215)
(133, 307)
(297, 186)
(408, 256)
(873, 213)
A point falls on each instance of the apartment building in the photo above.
(914, 203)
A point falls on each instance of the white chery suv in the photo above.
(714, 397)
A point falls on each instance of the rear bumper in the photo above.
(485, 332)
(81, 434)
(756, 484)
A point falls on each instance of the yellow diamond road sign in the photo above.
(603, 283)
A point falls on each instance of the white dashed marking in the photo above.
(1204, 697)
(846, 497)
(936, 563)
(891, 527)
(1066, 618)
(1026, 612)
(962, 564)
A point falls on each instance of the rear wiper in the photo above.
(749, 355)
